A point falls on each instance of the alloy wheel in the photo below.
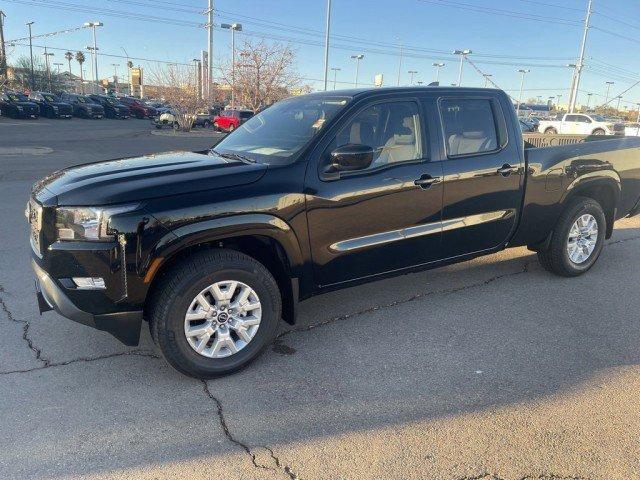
(582, 240)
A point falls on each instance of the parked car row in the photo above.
(224, 120)
(67, 105)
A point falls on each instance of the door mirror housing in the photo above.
(351, 157)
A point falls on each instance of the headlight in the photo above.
(87, 223)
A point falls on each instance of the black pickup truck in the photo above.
(315, 193)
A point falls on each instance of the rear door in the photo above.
(382, 218)
(483, 173)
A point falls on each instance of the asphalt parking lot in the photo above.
(490, 369)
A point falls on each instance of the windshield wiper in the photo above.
(235, 156)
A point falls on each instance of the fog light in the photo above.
(89, 283)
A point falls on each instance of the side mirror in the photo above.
(351, 157)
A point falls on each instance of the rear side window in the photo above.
(472, 126)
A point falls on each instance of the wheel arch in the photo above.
(605, 189)
(266, 238)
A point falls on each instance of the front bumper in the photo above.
(125, 326)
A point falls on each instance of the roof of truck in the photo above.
(359, 92)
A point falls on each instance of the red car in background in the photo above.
(231, 119)
(138, 109)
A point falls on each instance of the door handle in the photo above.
(426, 180)
(507, 170)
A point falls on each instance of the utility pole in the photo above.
(326, 45)
(3, 53)
(33, 79)
(46, 62)
(411, 73)
(233, 27)
(618, 107)
(486, 79)
(335, 75)
(93, 69)
(115, 76)
(357, 58)
(400, 63)
(606, 101)
(438, 66)
(463, 54)
(209, 68)
(523, 72)
(580, 65)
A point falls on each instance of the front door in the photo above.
(483, 171)
(385, 217)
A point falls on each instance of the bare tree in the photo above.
(20, 76)
(264, 74)
(178, 86)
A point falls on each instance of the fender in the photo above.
(591, 178)
(252, 224)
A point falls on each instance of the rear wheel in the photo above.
(551, 131)
(577, 240)
(216, 127)
(214, 313)
(599, 131)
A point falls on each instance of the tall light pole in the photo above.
(463, 54)
(606, 101)
(579, 66)
(523, 72)
(115, 76)
(588, 100)
(335, 71)
(400, 62)
(233, 27)
(486, 79)
(357, 58)
(46, 62)
(58, 65)
(93, 68)
(94, 51)
(326, 45)
(209, 27)
(438, 66)
(618, 106)
(411, 73)
(33, 79)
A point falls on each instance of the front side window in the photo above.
(281, 131)
(573, 118)
(391, 129)
(469, 126)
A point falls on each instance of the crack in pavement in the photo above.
(395, 303)
(493, 476)
(136, 353)
(25, 330)
(247, 449)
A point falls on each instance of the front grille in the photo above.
(34, 215)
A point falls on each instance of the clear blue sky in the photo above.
(505, 35)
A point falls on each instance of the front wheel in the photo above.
(577, 240)
(551, 131)
(232, 127)
(599, 131)
(214, 313)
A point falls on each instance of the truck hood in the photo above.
(140, 178)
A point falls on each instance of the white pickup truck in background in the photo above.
(581, 124)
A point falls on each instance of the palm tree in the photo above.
(80, 59)
(69, 57)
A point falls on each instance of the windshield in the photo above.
(17, 97)
(278, 133)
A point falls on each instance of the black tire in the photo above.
(556, 258)
(599, 131)
(177, 289)
(216, 127)
(550, 131)
(232, 127)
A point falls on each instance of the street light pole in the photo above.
(618, 107)
(411, 73)
(93, 69)
(486, 79)
(33, 81)
(115, 76)
(463, 54)
(523, 72)
(326, 45)
(198, 67)
(94, 51)
(606, 101)
(335, 75)
(588, 100)
(58, 65)
(209, 75)
(233, 27)
(46, 62)
(400, 63)
(357, 58)
(438, 66)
